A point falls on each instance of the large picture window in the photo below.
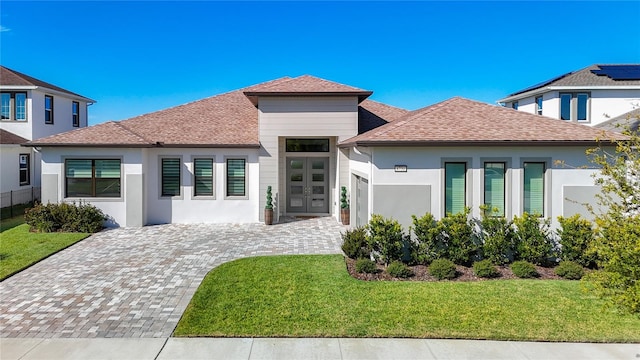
(236, 177)
(170, 177)
(203, 177)
(92, 177)
(494, 174)
(455, 187)
(534, 188)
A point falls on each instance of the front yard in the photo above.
(20, 248)
(314, 296)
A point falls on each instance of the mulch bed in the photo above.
(464, 274)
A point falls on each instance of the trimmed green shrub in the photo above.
(524, 269)
(427, 245)
(355, 245)
(386, 239)
(576, 234)
(570, 270)
(399, 270)
(533, 242)
(366, 266)
(497, 238)
(65, 217)
(458, 237)
(442, 269)
(485, 269)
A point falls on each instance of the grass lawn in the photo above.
(20, 248)
(314, 296)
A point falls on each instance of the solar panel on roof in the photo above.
(619, 72)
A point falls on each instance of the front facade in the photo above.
(31, 109)
(306, 138)
(589, 96)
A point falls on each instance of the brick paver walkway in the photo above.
(137, 282)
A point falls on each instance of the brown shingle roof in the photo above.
(304, 85)
(226, 120)
(10, 77)
(372, 114)
(9, 138)
(584, 78)
(459, 121)
(620, 123)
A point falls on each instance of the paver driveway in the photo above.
(137, 282)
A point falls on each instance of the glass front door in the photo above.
(308, 185)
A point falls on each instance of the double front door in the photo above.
(308, 185)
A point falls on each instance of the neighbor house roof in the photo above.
(589, 77)
(11, 78)
(9, 138)
(463, 122)
(226, 120)
(620, 123)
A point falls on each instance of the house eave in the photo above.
(156, 145)
(466, 143)
(253, 95)
(545, 89)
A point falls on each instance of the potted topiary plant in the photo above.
(268, 209)
(345, 214)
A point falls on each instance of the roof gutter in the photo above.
(155, 145)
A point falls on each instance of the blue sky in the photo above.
(138, 57)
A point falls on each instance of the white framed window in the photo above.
(13, 106)
(75, 113)
(539, 105)
(574, 106)
(514, 105)
(494, 187)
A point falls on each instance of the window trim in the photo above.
(27, 169)
(48, 111)
(573, 106)
(160, 178)
(213, 175)
(507, 183)
(246, 178)
(546, 186)
(75, 116)
(93, 159)
(13, 106)
(468, 181)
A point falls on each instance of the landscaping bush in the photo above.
(65, 217)
(399, 270)
(570, 270)
(497, 238)
(459, 238)
(366, 266)
(524, 269)
(427, 245)
(354, 243)
(386, 239)
(485, 269)
(533, 242)
(442, 269)
(576, 234)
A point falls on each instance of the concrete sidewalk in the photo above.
(306, 348)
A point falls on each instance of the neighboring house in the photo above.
(211, 160)
(31, 109)
(589, 96)
(630, 121)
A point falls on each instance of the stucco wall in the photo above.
(425, 168)
(9, 167)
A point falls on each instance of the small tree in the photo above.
(343, 198)
(617, 244)
(269, 205)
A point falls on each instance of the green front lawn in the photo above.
(20, 248)
(314, 296)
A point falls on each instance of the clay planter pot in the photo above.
(268, 216)
(345, 216)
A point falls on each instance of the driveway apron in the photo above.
(137, 282)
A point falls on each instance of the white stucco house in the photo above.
(589, 96)
(211, 160)
(31, 109)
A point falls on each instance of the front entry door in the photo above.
(308, 185)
